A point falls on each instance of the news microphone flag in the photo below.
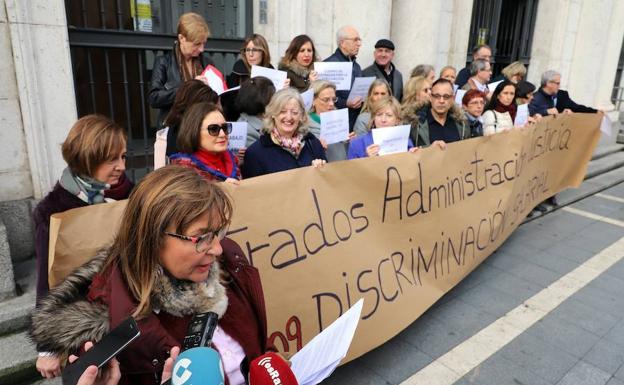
(198, 366)
(271, 369)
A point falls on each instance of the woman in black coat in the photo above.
(185, 62)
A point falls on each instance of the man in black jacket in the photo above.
(550, 100)
(349, 43)
(384, 69)
(483, 52)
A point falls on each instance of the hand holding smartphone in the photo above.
(102, 352)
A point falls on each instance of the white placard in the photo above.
(308, 98)
(605, 125)
(455, 88)
(276, 76)
(492, 86)
(391, 139)
(360, 87)
(238, 137)
(338, 73)
(522, 115)
(214, 79)
(160, 148)
(459, 95)
(335, 126)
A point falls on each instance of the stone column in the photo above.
(45, 86)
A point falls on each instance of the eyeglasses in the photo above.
(355, 39)
(554, 82)
(252, 50)
(476, 103)
(443, 97)
(202, 242)
(327, 100)
(215, 129)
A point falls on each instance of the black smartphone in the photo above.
(108, 347)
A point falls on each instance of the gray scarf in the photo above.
(87, 189)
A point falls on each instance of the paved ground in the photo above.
(581, 341)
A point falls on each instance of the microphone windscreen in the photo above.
(271, 369)
(198, 366)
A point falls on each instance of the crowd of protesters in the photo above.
(170, 258)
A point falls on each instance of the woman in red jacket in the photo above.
(169, 261)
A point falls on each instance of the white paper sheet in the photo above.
(459, 95)
(276, 76)
(360, 87)
(391, 139)
(215, 79)
(308, 98)
(335, 126)
(492, 86)
(605, 125)
(238, 137)
(522, 115)
(231, 90)
(160, 148)
(318, 359)
(338, 73)
(455, 88)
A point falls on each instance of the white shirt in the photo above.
(232, 354)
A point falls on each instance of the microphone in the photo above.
(271, 369)
(198, 366)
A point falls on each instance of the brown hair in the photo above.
(260, 42)
(295, 45)
(193, 27)
(376, 83)
(170, 198)
(91, 141)
(191, 92)
(412, 89)
(380, 105)
(190, 128)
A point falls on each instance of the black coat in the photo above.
(166, 81)
(397, 79)
(266, 157)
(542, 102)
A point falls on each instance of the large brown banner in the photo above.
(398, 231)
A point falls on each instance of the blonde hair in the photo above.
(172, 197)
(384, 103)
(448, 68)
(412, 89)
(319, 86)
(193, 27)
(278, 101)
(515, 68)
(92, 140)
(376, 83)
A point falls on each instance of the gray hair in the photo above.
(342, 34)
(278, 101)
(477, 65)
(422, 70)
(548, 76)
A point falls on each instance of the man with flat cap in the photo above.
(383, 68)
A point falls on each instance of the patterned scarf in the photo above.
(293, 144)
(87, 189)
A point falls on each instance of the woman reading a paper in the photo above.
(324, 101)
(203, 144)
(185, 62)
(377, 90)
(384, 113)
(169, 260)
(286, 142)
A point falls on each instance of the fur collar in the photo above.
(296, 68)
(65, 319)
(181, 298)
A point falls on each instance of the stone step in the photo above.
(605, 164)
(14, 313)
(18, 359)
(607, 150)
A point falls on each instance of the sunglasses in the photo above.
(215, 129)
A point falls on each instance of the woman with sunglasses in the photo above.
(169, 261)
(255, 51)
(203, 144)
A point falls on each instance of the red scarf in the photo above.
(512, 108)
(219, 161)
